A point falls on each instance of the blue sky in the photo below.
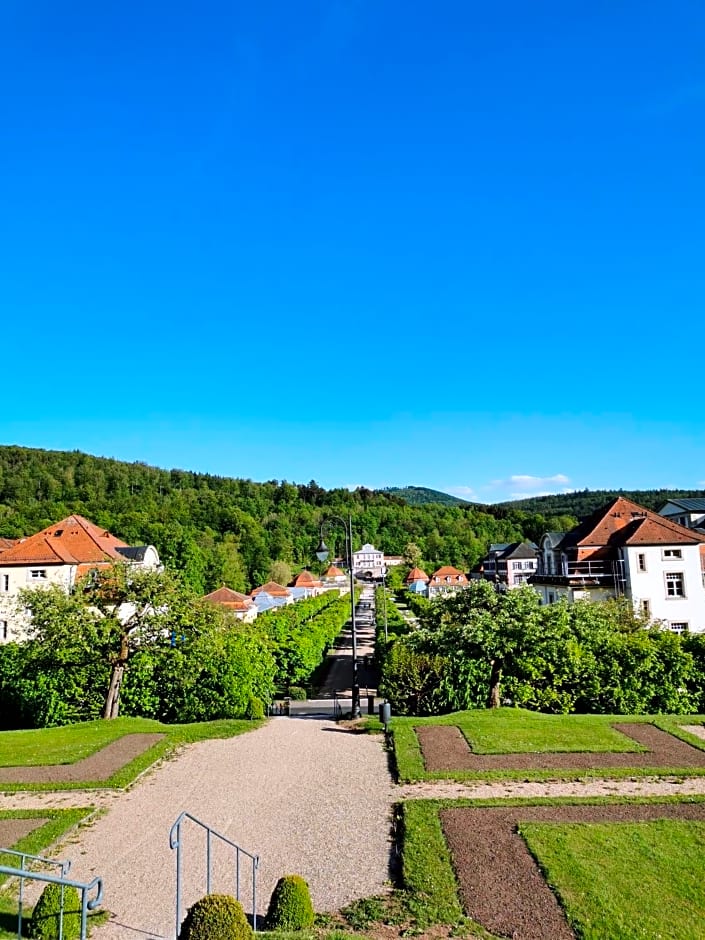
(457, 245)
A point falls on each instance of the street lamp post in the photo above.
(322, 553)
(384, 599)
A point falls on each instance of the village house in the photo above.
(368, 562)
(446, 580)
(306, 585)
(624, 550)
(333, 577)
(510, 563)
(417, 582)
(239, 605)
(61, 554)
(687, 512)
(271, 595)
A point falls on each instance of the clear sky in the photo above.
(455, 244)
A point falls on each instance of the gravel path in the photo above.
(307, 797)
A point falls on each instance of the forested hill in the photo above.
(421, 495)
(221, 530)
(581, 503)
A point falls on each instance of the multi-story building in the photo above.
(446, 580)
(368, 562)
(61, 554)
(510, 563)
(687, 512)
(624, 550)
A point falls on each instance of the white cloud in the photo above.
(524, 485)
(464, 492)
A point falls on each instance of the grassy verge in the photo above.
(514, 730)
(73, 742)
(35, 842)
(634, 881)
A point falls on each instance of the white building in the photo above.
(61, 554)
(687, 512)
(368, 562)
(624, 550)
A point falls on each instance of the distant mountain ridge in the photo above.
(583, 502)
(422, 495)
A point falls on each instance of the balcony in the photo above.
(596, 572)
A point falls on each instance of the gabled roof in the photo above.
(271, 588)
(520, 550)
(692, 504)
(72, 541)
(448, 571)
(498, 547)
(417, 574)
(367, 548)
(622, 522)
(333, 572)
(226, 597)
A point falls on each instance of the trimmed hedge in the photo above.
(290, 907)
(216, 917)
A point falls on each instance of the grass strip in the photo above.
(429, 883)
(635, 881)
(96, 734)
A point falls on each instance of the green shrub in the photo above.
(216, 917)
(255, 708)
(297, 693)
(44, 924)
(290, 907)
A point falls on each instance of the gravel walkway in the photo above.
(307, 797)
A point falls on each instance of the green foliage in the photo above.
(216, 917)
(290, 907)
(411, 680)
(297, 693)
(255, 708)
(46, 918)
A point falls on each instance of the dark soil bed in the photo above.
(12, 830)
(501, 886)
(99, 766)
(444, 747)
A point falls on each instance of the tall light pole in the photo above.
(384, 598)
(322, 553)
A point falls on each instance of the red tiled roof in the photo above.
(446, 570)
(6, 543)
(271, 587)
(334, 572)
(226, 597)
(305, 580)
(72, 541)
(416, 574)
(622, 522)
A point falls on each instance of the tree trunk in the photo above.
(493, 699)
(111, 708)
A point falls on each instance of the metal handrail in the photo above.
(175, 843)
(64, 867)
(87, 904)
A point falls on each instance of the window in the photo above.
(37, 574)
(3, 629)
(641, 560)
(672, 553)
(529, 564)
(646, 608)
(675, 584)
(516, 565)
(6, 582)
(678, 627)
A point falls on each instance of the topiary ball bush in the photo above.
(290, 907)
(216, 917)
(44, 923)
(255, 708)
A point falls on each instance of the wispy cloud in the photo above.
(530, 484)
(464, 492)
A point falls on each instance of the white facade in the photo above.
(368, 559)
(665, 584)
(689, 514)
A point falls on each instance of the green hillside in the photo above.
(584, 502)
(421, 496)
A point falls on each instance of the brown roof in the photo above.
(306, 580)
(416, 574)
(6, 543)
(333, 572)
(446, 570)
(622, 522)
(271, 587)
(72, 541)
(226, 597)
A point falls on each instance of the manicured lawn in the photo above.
(516, 730)
(71, 743)
(635, 881)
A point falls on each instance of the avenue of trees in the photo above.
(141, 643)
(480, 648)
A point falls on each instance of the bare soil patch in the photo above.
(501, 886)
(99, 766)
(12, 830)
(444, 747)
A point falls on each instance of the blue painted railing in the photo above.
(175, 843)
(87, 903)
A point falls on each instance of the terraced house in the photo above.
(61, 554)
(624, 550)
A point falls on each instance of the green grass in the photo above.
(35, 842)
(516, 730)
(635, 881)
(71, 743)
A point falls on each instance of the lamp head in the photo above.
(322, 551)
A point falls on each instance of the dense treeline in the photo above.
(481, 648)
(217, 530)
(584, 502)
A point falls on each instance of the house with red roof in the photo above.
(446, 580)
(334, 577)
(306, 585)
(61, 554)
(417, 582)
(239, 605)
(625, 550)
(270, 595)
